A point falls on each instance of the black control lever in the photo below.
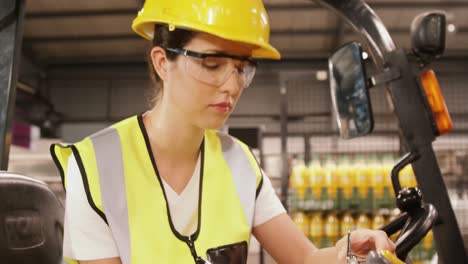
(417, 218)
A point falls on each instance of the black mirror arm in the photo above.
(405, 160)
(388, 75)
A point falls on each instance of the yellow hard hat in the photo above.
(237, 20)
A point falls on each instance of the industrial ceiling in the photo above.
(74, 32)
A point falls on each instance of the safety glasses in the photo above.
(216, 68)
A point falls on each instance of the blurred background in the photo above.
(82, 69)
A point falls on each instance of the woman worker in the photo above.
(166, 186)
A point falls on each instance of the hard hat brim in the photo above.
(263, 50)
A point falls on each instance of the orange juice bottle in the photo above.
(313, 192)
(345, 183)
(347, 223)
(297, 184)
(316, 232)
(363, 221)
(412, 182)
(332, 230)
(316, 183)
(362, 183)
(377, 221)
(377, 183)
(302, 222)
(354, 168)
(405, 177)
(304, 170)
(292, 191)
(330, 198)
(389, 194)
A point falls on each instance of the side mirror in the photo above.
(428, 36)
(349, 93)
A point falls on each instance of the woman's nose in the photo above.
(233, 84)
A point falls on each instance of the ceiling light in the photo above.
(451, 28)
(321, 75)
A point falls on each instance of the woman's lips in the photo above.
(222, 107)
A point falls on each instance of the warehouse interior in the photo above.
(83, 69)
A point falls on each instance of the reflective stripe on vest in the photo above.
(109, 160)
(240, 166)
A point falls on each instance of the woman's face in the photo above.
(202, 104)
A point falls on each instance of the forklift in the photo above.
(419, 106)
(31, 216)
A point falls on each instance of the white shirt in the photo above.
(88, 237)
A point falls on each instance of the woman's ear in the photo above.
(160, 61)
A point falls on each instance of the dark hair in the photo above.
(163, 37)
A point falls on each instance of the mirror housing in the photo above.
(428, 32)
(349, 91)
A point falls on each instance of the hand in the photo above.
(363, 241)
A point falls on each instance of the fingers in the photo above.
(341, 248)
(381, 241)
(363, 241)
(341, 256)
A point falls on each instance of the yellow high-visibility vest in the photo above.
(122, 185)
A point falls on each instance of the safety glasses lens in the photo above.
(216, 70)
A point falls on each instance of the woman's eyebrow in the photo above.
(215, 51)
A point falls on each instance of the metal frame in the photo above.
(414, 121)
(11, 32)
(376, 4)
(284, 142)
(339, 33)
